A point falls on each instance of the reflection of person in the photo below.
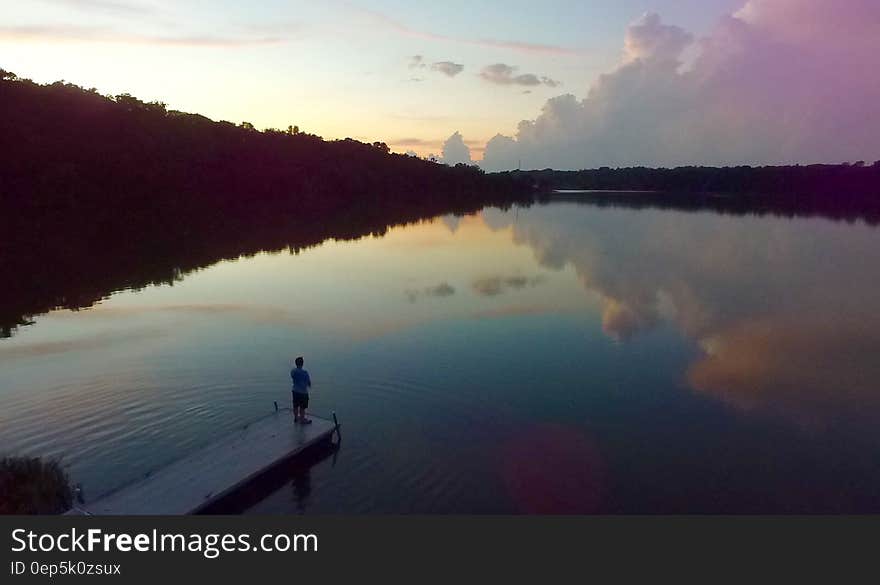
(302, 488)
(301, 385)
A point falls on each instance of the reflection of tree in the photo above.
(847, 205)
(104, 193)
(104, 257)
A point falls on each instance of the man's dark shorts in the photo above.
(300, 400)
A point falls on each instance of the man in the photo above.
(301, 385)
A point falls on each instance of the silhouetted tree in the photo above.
(134, 193)
(850, 186)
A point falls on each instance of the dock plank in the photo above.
(185, 486)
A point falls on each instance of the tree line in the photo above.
(68, 149)
(102, 193)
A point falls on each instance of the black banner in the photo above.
(415, 548)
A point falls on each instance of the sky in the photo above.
(560, 83)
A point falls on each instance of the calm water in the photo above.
(560, 357)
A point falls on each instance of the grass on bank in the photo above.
(31, 485)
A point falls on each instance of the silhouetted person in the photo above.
(300, 391)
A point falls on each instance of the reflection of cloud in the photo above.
(810, 369)
(100, 341)
(496, 285)
(444, 289)
(788, 311)
(496, 219)
(453, 222)
(441, 290)
(620, 322)
(514, 311)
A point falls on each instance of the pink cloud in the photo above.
(779, 81)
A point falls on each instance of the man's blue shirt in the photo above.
(301, 380)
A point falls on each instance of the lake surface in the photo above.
(559, 357)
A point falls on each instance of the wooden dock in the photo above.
(218, 470)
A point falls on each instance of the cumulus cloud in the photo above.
(502, 152)
(777, 82)
(447, 68)
(650, 39)
(456, 151)
(843, 22)
(502, 74)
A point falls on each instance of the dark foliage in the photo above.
(846, 191)
(769, 180)
(99, 194)
(741, 204)
(30, 485)
(67, 150)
